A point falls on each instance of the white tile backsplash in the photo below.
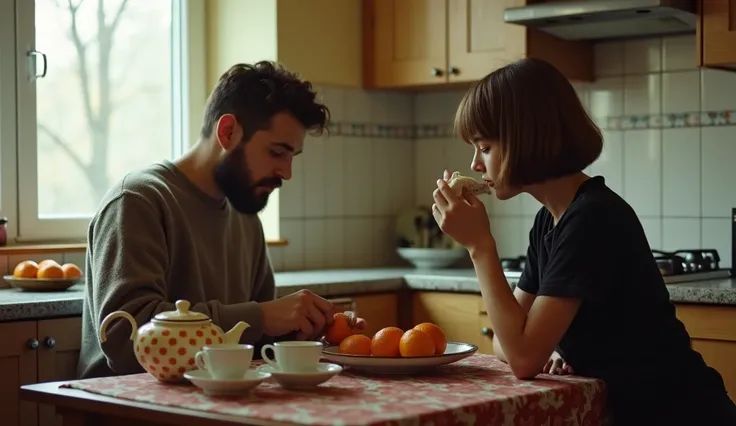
(680, 233)
(679, 53)
(718, 90)
(314, 162)
(719, 173)
(610, 164)
(680, 91)
(643, 171)
(350, 184)
(643, 56)
(681, 172)
(606, 97)
(642, 94)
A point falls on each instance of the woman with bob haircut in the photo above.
(591, 293)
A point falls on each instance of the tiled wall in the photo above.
(339, 209)
(670, 145)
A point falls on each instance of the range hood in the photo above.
(607, 19)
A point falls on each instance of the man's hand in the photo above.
(303, 312)
(557, 365)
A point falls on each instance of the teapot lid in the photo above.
(182, 313)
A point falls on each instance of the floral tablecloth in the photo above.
(479, 390)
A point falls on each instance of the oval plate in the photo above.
(454, 352)
(41, 284)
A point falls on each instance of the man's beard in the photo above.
(233, 177)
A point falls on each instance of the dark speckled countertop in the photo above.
(19, 305)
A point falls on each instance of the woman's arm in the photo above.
(528, 339)
(525, 300)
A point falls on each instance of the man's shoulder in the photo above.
(147, 184)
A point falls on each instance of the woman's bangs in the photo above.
(475, 118)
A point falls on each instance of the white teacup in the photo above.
(293, 356)
(225, 362)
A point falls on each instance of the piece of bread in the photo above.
(467, 185)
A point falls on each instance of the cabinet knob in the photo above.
(33, 344)
(49, 342)
(486, 331)
(454, 70)
(436, 72)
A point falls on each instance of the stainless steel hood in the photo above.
(607, 19)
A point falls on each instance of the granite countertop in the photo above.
(18, 305)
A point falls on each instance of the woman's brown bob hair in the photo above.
(531, 109)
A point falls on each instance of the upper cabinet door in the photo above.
(479, 40)
(718, 33)
(405, 43)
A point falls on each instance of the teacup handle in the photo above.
(199, 361)
(268, 360)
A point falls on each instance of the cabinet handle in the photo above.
(486, 331)
(49, 342)
(454, 70)
(33, 344)
(436, 72)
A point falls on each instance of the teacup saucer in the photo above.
(303, 380)
(211, 386)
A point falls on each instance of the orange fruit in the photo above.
(357, 344)
(437, 335)
(71, 270)
(386, 342)
(416, 343)
(342, 326)
(50, 271)
(26, 269)
(45, 262)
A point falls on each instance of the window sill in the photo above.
(16, 249)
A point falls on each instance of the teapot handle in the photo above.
(115, 315)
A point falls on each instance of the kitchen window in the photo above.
(90, 90)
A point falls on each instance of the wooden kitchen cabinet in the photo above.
(420, 43)
(378, 310)
(712, 331)
(717, 33)
(461, 316)
(35, 352)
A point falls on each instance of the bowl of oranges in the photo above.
(391, 350)
(47, 275)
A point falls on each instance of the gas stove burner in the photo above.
(689, 265)
(513, 264)
(687, 261)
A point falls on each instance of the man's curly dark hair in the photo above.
(255, 93)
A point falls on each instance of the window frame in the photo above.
(8, 120)
(19, 180)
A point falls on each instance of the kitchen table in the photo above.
(477, 390)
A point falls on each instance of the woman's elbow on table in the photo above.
(524, 369)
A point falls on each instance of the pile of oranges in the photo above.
(425, 339)
(46, 269)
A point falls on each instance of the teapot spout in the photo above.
(233, 336)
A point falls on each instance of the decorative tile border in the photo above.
(670, 121)
(397, 131)
(626, 122)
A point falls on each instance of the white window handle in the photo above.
(34, 54)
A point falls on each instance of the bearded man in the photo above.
(189, 229)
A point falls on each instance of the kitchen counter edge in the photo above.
(16, 305)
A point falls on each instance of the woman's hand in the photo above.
(464, 219)
(557, 365)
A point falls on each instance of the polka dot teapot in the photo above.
(166, 346)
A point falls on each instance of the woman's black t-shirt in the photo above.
(625, 332)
